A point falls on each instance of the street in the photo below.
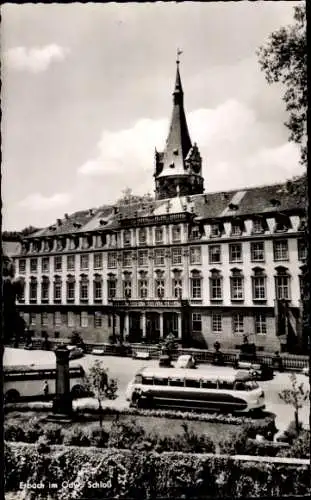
(123, 369)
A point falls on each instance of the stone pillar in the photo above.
(179, 326)
(126, 324)
(62, 402)
(161, 325)
(143, 317)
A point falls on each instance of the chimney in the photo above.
(59, 222)
(66, 216)
(91, 212)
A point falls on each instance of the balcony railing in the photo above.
(147, 303)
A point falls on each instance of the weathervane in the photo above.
(178, 54)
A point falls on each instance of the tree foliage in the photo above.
(284, 60)
(98, 383)
(296, 396)
(12, 289)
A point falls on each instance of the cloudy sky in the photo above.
(87, 95)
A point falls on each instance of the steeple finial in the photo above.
(179, 52)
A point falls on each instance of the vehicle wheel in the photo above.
(78, 391)
(12, 396)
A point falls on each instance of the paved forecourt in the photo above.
(124, 369)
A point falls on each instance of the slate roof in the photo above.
(240, 202)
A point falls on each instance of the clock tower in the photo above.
(178, 169)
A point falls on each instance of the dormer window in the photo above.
(195, 233)
(216, 230)
(282, 224)
(176, 234)
(233, 206)
(258, 226)
(127, 238)
(274, 202)
(302, 224)
(142, 236)
(236, 229)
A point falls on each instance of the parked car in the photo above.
(75, 352)
(259, 371)
(306, 371)
(185, 361)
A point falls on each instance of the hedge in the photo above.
(108, 473)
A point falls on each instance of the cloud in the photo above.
(35, 59)
(238, 150)
(36, 201)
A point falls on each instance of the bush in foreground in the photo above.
(127, 474)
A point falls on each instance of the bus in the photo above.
(196, 390)
(36, 381)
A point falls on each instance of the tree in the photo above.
(296, 396)
(98, 383)
(12, 289)
(284, 60)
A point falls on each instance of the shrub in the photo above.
(300, 447)
(98, 437)
(235, 443)
(76, 437)
(125, 434)
(53, 434)
(13, 432)
(33, 430)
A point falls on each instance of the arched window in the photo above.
(97, 288)
(259, 284)
(282, 283)
(215, 285)
(143, 285)
(45, 288)
(160, 284)
(237, 285)
(70, 289)
(57, 296)
(111, 286)
(33, 289)
(127, 285)
(84, 288)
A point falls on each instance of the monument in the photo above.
(62, 404)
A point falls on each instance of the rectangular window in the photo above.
(196, 322)
(257, 251)
(158, 235)
(98, 290)
(143, 257)
(237, 292)
(216, 288)
(57, 318)
(98, 261)
(236, 230)
(71, 319)
(238, 323)
(84, 319)
(235, 252)
(84, 262)
(301, 287)
(282, 287)
(22, 266)
(302, 249)
(259, 288)
(112, 289)
(195, 255)
(127, 259)
(70, 291)
(177, 288)
(57, 263)
(33, 289)
(143, 289)
(214, 254)
(84, 290)
(57, 290)
(127, 289)
(176, 256)
(196, 292)
(142, 236)
(45, 264)
(216, 323)
(71, 262)
(159, 257)
(98, 319)
(160, 288)
(258, 226)
(176, 234)
(280, 250)
(45, 286)
(260, 324)
(127, 238)
(33, 265)
(44, 319)
(195, 233)
(112, 260)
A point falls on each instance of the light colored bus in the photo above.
(33, 381)
(195, 389)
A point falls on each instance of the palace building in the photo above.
(204, 266)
